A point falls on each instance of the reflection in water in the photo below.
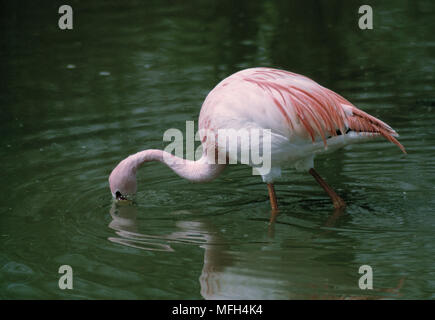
(133, 239)
(226, 274)
(63, 130)
(124, 222)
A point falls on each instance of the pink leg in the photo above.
(336, 200)
(272, 196)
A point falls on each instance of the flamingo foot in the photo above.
(336, 200)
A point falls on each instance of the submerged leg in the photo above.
(336, 200)
(272, 196)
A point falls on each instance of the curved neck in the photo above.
(195, 171)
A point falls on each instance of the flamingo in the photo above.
(304, 118)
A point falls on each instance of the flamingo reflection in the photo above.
(231, 274)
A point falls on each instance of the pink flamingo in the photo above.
(304, 118)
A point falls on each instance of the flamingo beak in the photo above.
(119, 196)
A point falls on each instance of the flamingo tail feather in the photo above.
(361, 121)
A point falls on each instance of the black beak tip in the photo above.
(119, 196)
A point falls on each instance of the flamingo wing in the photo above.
(291, 104)
(315, 111)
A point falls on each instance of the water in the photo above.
(74, 103)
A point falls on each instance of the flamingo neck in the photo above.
(194, 171)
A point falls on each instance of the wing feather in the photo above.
(319, 110)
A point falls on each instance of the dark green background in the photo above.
(74, 103)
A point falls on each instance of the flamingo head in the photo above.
(122, 180)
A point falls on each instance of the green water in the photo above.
(74, 103)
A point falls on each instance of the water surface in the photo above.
(74, 103)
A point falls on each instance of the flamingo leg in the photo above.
(272, 220)
(336, 200)
(272, 196)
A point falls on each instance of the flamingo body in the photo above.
(305, 119)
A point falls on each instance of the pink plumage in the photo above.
(298, 106)
(305, 119)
